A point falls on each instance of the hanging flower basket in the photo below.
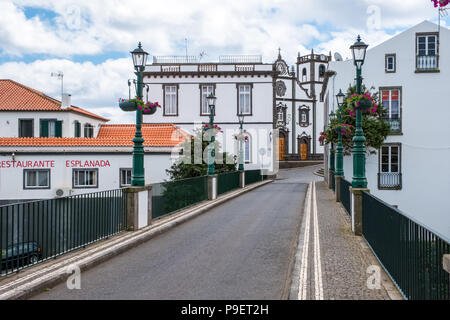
(127, 105)
(149, 107)
(362, 102)
(214, 127)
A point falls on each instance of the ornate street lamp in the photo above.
(211, 99)
(139, 61)
(241, 138)
(359, 166)
(340, 97)
(332, 116)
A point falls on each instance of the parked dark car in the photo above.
(20, 255)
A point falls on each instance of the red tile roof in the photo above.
(17, 97)
(119, 135)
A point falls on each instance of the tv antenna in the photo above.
(201, 55)
(60, 76)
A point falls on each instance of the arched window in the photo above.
(321, 71)
(304, 77)
(247, 150)
(303, 113)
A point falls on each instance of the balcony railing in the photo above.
(390, 180)
(240, 59)
(426, 63)
(395, 123)
(175, 59)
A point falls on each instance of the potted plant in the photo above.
(361, 101)
(149, 107)
(134, 104)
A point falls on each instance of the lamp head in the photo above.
(139, 57)
(359, 49)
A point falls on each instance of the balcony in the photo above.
(174, 59)
(240, 59)
(427, 64)
(395, 123)
(389, 180)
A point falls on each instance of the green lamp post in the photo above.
(137, 176)
(340, 97)
(241, 146)
(332, 116)
(212, 152)
(359, 166)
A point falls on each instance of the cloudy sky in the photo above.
(89, 40)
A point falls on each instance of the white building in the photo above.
(269, 95)
(411, 71)
(59, 159)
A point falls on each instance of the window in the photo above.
(244, 99)
(205, 91)
(427, 52)
(321, 71)
(304, 75)
(303, 112)
(77, 133)
(125, 177)
(51, 128)
(26, 128)
(85, 178)
(36, 179)
(390, 63)
(247, 150)
(389, 176)
(280, 115)
(88, 130)
(391, 101)
(170, 100)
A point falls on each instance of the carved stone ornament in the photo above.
(280, 88)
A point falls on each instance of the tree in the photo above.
(185, 167)
(375, 128)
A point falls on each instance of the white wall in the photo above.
(425, 135)
(11, 179)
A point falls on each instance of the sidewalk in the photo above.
(331, 262)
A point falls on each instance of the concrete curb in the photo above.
(31, 284)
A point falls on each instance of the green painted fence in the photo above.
(253, 176)
(169, 197)
(33, 232)
(345, 195)
(227, 182)
(409, 252)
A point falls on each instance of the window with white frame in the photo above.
(247, 150)
(85, 178)
(36, 179)
(88, 130)
(206, 90)
(125, 177)
(390, 99)
(390, 63)
(170, 100)
(245, 99)
(389, 176)
(427, 52)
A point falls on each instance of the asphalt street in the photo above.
(243, 249)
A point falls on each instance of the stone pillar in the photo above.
(338, 187)
(446, 262)
(212, 187)
(330, 178)
(357, 211)
(139, 207)
(242, 179)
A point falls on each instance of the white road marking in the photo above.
(303, 281)
(317, 259)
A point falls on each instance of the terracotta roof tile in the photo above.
(155, 135)
(18, 97)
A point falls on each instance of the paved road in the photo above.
(243, 249)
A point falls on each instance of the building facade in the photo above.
(410, 71)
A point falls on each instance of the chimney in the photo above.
(66, 100)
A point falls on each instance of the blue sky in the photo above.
(90, 40)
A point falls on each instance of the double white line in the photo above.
(311, 214)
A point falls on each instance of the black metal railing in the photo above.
(409, 252)
(345, 195)
(390, 180)
(395, 124)
(227, 182)
(36, 231)
(169, 197)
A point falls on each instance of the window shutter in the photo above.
(44, 128)
(77, 129)
(58, 129)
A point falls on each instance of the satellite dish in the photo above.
(338, 57)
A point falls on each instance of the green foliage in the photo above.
(185, 167)
(374, 127)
